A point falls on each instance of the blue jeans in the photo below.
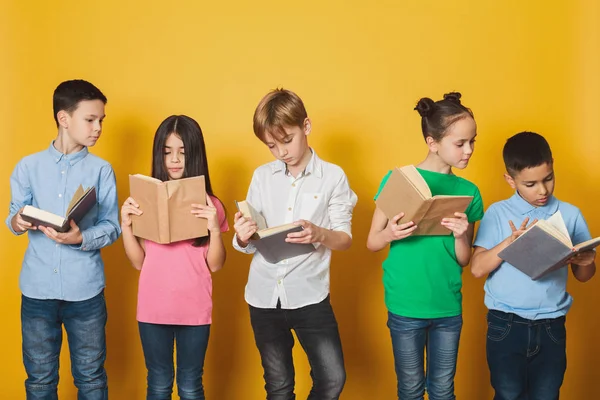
(527, 358)
(410, 338)
(41, 325)
(317, 330)
(158, 343)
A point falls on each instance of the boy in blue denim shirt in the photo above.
(526, 337)
(62, 275)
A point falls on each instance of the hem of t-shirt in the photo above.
(534, 315)
(289, 307)
(84, 298)
(445, 314)
(174, 322)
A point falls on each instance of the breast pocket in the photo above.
(313, 207)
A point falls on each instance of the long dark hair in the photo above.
(196, 164)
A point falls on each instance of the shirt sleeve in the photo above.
(20, 193)
(489, 232)
(341, 205)
(475, 210)
(221, 214)
(581, 232)
(106, 230)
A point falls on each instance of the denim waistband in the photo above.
(510, 317)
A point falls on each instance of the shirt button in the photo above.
(278, 282)
(59, 195)
(293, 185)
(56, 244)
(55, 270)
(289, 208)
(62, 172)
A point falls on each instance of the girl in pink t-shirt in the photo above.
(175, 287)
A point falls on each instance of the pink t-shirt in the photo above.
(175, 286)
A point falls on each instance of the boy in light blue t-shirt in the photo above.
(526, 337)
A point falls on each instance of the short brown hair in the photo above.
(280, 108)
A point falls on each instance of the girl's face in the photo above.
(457, 146)
(174, 157)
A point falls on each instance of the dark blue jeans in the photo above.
(527, 358)
(158, 343)
(317, 330)
(410, 338)
(41, 325)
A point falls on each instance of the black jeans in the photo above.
(317, 331)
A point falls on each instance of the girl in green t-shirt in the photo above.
(422, 274)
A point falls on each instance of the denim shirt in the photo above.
(48, 180)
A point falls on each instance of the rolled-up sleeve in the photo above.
(341, 204)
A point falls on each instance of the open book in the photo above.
(167, 208)
(406, 191)
(544, 247)
(270, 242)
(81, 203)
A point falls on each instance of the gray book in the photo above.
(270, 242)
(545, 247)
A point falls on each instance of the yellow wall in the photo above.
(360, 69)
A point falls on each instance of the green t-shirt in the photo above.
(421, 276)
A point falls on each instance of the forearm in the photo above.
(335, 240)
(377, 241)
(216, 252)
(133, 249)
(584, 273)
(486, 261)
(463, 250)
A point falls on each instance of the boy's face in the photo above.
(535, 184)
(84, 125)
(457, 146)
(292, 148)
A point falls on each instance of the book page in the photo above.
(147, 178)
(557, 222)
(41, 216)
(76, 197)
(415, 178)
(588, 245)
(276, 229)
(250, 212)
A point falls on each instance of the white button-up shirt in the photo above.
(321, 195)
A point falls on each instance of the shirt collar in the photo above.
(523, 207)
(73, 158)
(314, 166)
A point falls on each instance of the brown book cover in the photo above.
(166, 207)
(544, 247)
(81, 203)
(406, 191)
(270, 242)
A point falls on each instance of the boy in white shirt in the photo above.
(294, 293)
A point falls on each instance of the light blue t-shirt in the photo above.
(509, 290)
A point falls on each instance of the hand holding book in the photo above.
(208, 212)
(397, 231)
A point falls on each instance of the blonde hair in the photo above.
(279, 109)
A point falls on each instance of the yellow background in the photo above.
(360, 67)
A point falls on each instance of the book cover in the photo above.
(406, 191)
(81, 203)
(166, 207)
(270, 242)
(544, 247)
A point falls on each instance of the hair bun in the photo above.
(453, 97)
(425, 107)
